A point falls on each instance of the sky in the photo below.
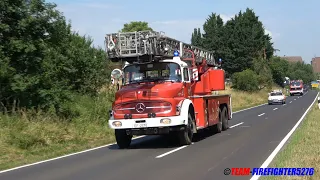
(294, 25)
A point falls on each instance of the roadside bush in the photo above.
(262, 69)
(246, 80)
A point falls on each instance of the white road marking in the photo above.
(294, 99)
(290, 102)
(60, 157)
(179, 148)
(261, 114)
(235, 125)
(172, 151)
(275, 109)
(284, 140)
(249, 108)
(284, 105)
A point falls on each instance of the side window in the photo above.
(186, 74)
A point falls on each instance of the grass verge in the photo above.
(303, 149)
(34, 136)
(243, 100)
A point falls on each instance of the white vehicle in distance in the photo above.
(276, 97)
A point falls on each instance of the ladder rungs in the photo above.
(144, 43)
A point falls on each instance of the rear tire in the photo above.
(218, 127)
(225, 121)
(123, 140)
(186, 135)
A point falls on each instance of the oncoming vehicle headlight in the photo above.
(117, 123)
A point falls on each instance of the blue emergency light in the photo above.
(176, 53)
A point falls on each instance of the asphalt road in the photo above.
(253, 135)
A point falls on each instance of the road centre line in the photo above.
(275, 109)
(172, 151)
(179, 148)
(261, 114)
(235, 125)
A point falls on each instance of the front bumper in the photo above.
(149, 126)
(276, 101)
(295, 92)
(147, 122)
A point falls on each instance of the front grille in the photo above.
(143, 107)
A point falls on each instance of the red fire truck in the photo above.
(296, 87)
(167, 88)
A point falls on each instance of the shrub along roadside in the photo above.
(33, 135)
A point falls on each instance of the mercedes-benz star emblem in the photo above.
(140, 107)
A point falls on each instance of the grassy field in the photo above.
(242, 100)
(303, 148)
(33, 136)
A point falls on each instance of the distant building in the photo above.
(293, 58)
(315, 62)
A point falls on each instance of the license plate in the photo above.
(140, 125)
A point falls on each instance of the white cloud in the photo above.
(226, 18)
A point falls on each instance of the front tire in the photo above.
(123, 140)
(186, 135)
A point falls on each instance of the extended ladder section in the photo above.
(144, 46)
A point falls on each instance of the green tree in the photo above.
(264, 73)
(136, 26)
(279, 68)
(301, 71)
(43, 63)
(246, 80)
(246, 40)
(213, 35)
(196, 38)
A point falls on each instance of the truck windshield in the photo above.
(276, 94)
(295, 83)
(152, 72)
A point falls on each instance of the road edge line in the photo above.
(284, 140)
(60, 157)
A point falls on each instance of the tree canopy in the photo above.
(243, 45)
(44, 63)
(136, 26)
